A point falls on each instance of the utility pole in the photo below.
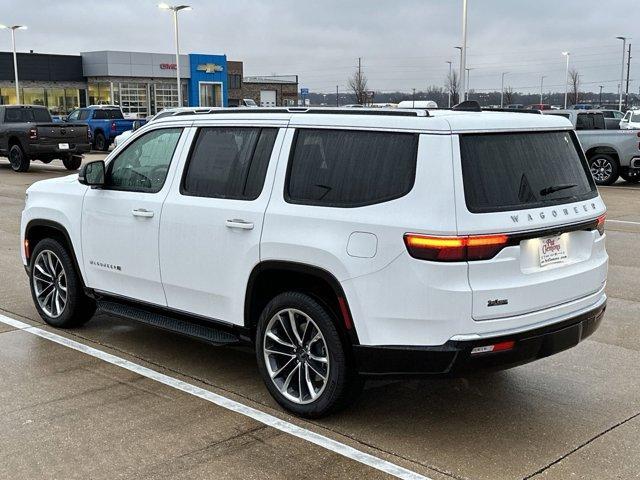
(468, 70)
(463, 50)
(624, 52)
(600, 98)
(359, 100)
(626, 92)
(337, 97)
(414, 98)
(541, 83)
(566, 79)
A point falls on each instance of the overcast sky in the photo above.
(404, 44)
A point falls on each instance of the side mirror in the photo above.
(136, 125)
(92, 174)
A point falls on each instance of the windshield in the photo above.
(22, 115)
(515, 171)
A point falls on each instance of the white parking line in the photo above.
(224, 402)
(626, 222)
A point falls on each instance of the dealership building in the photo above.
(141, 83)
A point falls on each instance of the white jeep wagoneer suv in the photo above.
(340, 243)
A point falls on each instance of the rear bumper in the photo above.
(52, 150)
(455, 358)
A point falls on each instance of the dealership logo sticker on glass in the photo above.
(209, 68)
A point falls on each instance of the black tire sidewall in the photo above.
(335, 391)
(614, 169)
(100, 142)
(23, 161)
(72, 162)
(79, 309)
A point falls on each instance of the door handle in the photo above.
(142, 212)
(238, 223)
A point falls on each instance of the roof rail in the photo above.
(512, 110)
(332, 111)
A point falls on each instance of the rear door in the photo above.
(212, 219)
(536, 188)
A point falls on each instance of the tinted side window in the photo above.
(144, 164)
(84, 114)
(111, 114)
(229, 162)
(342, 168)
(13, 115)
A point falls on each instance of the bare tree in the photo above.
(451, 86)
(508, 95)
(358, 85)
(574, 86)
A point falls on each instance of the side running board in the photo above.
(205, 333)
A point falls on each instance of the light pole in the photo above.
(468, 70)
(13, 29)
(624, 51)
(463, 50)
(541, 83)
(566, 79)
(460, 78)
(449, 80)
(502, 90)
(175, 10)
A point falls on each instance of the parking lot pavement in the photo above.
(573, 415)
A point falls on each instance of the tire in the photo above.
(604, 169)
(19, 161)
(340, 384)
(51, 271)
(631, 177)
(100, 142)
(73, 162)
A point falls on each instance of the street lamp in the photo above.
(463, 50)
(541, 83)
(13, 29)
(460, 78)
(468, 70)
(449, 80)
(566, 79)
(175, 10)
(502, 90)
(600, 98)
(624, 48)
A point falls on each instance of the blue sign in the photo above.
(304, 91)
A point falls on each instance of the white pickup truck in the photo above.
(610, 153)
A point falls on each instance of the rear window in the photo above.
(110, 114)
(18, 115)
(590, 121)
(515, 171)
(343, 168)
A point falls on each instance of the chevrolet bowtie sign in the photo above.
(209, 68)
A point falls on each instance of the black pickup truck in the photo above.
(27, 133)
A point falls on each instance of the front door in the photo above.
(212, 222)
(120, 222)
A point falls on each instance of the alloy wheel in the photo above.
(296, 356)
(50, 283)
(601, 169)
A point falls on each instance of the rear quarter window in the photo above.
(516, 171)
(347, 168)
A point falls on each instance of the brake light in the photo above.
(113, 126)
(33, 133)
(454, 249)
(600, 225)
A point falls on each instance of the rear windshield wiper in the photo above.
(556, 188)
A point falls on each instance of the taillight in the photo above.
(454, 249)
(601, 221)
(113, 126)
(33, 133)
(494, 348)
